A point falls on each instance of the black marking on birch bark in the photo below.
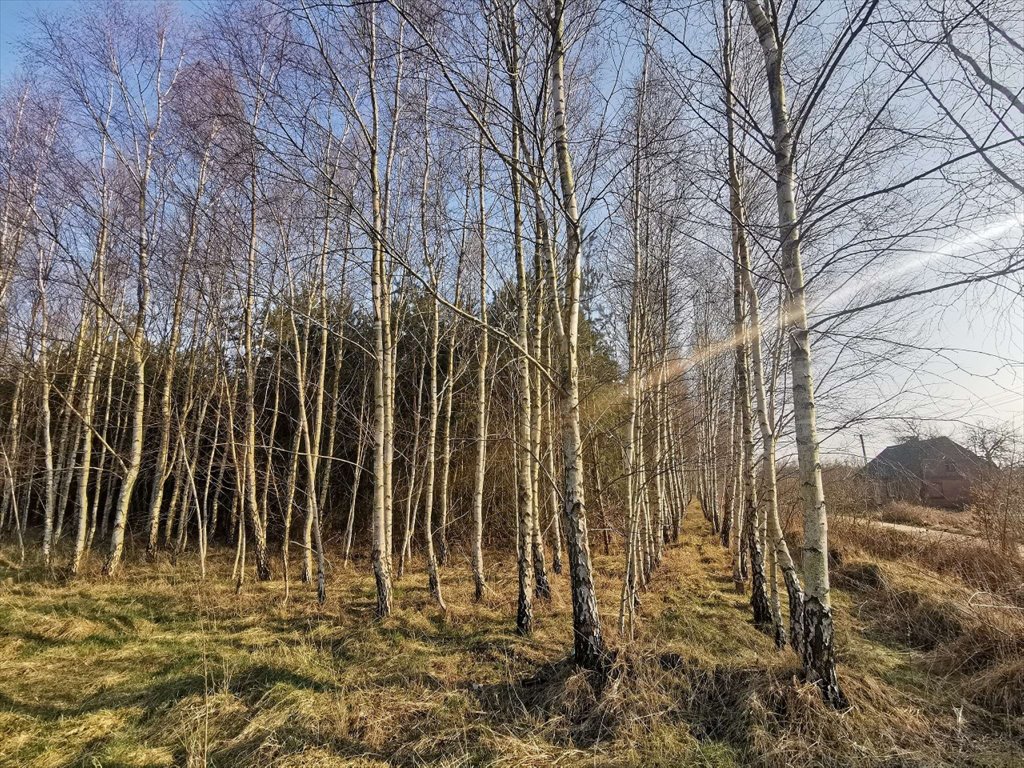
(819, 659)
(758, 592)
(780, 636)
(442, 546)
(796, 610)
(263, 572)
(588, 644)
(542, 587)
(383, 609)
(524, 605)
(524, 614)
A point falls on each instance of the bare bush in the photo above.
(998, 507)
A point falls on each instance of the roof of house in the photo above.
(908, 457)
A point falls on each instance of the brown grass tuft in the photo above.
(1000, 688)
(989, 637)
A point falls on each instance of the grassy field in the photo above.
(156, 668)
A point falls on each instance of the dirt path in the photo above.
(935, 534)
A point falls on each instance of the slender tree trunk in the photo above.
(542, 587)
(819, 641)
(758, 582)
(601, 511)
(357, 473)
(410, 508)
(381, 551)
(249, 486)
(269, 476)
(104, 435)
(444, 495)
(633, 456)
(10, 497)
(588, 641)
(163, 449)
(289, 506)
(779, 554)
(554, 504)
(67, 442)
(525, 501)
(431, 459)
(137, 350)
(44, 381)
(479, 581)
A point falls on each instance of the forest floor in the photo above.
(156, 668)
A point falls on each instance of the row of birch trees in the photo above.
(430, 283)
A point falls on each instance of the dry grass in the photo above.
(972, 562)
(904, 514)
(963, 521)
(159, 669)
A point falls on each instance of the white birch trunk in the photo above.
(819, 640)
(588, 640)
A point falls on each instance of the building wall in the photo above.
(942, 484)
(900, 489)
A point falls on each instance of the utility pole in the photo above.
(873, 500)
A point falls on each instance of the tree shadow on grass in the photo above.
(162, 693)
(249, 685)
(252, 684)
(557, 690)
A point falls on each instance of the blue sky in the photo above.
(13, 26)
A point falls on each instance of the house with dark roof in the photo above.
(938, 472)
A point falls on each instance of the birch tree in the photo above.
(818, 644)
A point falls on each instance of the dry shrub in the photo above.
(975, 564)
(718, 705)
(998, 506)
(918, 620)
(859, 576)
(778, 722)
(966, 632)
(757, 715)
(904, 514)
(581, 708)
(792, 726)
(639, 693)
